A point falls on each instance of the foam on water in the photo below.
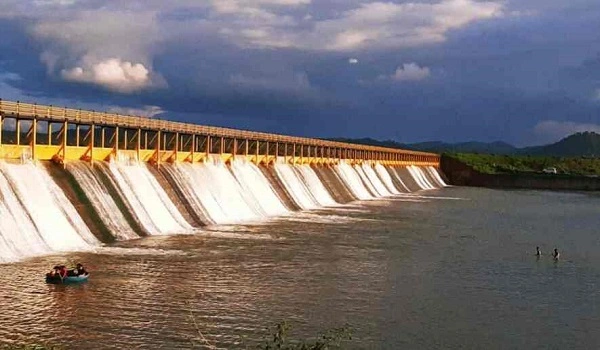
(151, 205)
(352, 180)
(102, 201)
(255, 184)
(213, 191)
(315, 186)
(385, 177)
(295, 186)
(35, 215)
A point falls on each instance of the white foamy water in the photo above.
(419, 173)
(385, 178)
(255, 184)
(35, 215)
(352, 181)
(151, 205)
(101, 200)
(295, 186)
(436, 176)
(396, 175)
(212, 190)
(315, 186)
(365, 180)
(416, 178)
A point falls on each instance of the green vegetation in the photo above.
(514, 164)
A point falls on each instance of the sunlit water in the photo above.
(452, 268)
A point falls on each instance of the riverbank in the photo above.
(460, 173)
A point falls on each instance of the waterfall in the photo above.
(35, 215)
(419, 174)
(375, 180)
(152, 207)
(210, 188)
(353, 181)
(295, 186)
(254, 183)
(365, 180)
(394, 175)
(436, 176)
(385, 177)
(315, 186)
(102, 201)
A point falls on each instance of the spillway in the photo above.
(315, 186)
(375, 180)
(211, 189)
(295, 186)
(102, 200)
(366, 181)
(149, 202)
(352, 180)
(35, 215)
(416, 171)
(385, 178)
(254, 183)
(436, 176)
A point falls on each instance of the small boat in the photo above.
(56, 279)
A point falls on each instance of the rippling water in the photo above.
(453, 268)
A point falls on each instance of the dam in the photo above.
(72, 180)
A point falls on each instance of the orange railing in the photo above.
(78, 116)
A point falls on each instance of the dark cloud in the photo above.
(491, 71)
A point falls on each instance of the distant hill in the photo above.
(585, 144)
(582, 144)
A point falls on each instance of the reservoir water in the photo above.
(442, 269)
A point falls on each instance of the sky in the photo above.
(525, 72)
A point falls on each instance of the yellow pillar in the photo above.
(193, 147)
(33, 138)
(49, 133)
(158, 139)
(92, 142)
(64, 142)
(138, 143)
(18, 130)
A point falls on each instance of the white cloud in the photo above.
(409, 72)
(113, 74)
(551, 130)
(370, 25)
(353, 60)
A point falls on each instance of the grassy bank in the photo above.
(511, 164)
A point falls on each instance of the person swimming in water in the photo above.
(556, 254)
(538, 252)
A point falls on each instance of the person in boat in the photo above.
(80, 270)
(556, 254)
(538, 252)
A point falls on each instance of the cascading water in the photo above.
(254, 183)
(375, 180)
(365, 180)
(416, 178)
(419, 174)
(352, 181)
(295, 186)
(35, 215)
(385, 177)
(211, 189)
(101, 200)
(152, 207)
(395, 176)
(315, 186)
(436, 176)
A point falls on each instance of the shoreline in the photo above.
(461, 174)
